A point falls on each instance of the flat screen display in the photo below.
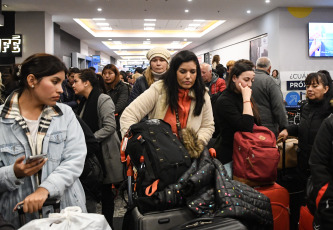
(320, 39)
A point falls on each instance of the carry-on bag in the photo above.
(160, 220)
(305, 219)
(279, 198)
(290, 178)
(255, 156)
(288, 152)
(212, 223)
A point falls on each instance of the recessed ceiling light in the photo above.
(110, 39)
(190, 29)
(5, 5)
(150, 20)
(146, 42)
(99, 19)
(267, 1)
(199, 20)
(193, 24)
(149, 24)
(186, 11)
(117, 43)
(248, 11)
(148, 39)
(149, 28)
(189, 0)
(102, 24)
(99, 9)
(185, 39)
(106, 28)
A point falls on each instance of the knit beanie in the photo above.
(158, 52)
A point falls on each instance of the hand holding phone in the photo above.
(35, 158)
(22, 169)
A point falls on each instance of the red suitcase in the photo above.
(279, 197)
(305, 219)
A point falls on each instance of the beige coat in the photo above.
(153, 103)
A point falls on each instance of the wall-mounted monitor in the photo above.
(320, 39)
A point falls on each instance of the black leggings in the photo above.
(108, 203)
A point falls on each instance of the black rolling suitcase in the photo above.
(212, 223)
(160, 220)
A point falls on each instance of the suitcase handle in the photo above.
(196, 222)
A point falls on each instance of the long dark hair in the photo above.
(240, 67)
(170, 81)
(322, 76)
(40, 65)
(114, 69)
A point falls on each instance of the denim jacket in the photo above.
(66, 150)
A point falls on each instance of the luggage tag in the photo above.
(124, 145)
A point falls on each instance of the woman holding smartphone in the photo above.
(32, 123)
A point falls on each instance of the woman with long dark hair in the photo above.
(97, 111)
(235, 110)
(181, 91)
(33, 124)
(116, 89)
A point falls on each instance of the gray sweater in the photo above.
(269, 100)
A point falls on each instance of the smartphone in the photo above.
(35, 158)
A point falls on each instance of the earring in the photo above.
(32, 86)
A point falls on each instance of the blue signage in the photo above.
(96, 58)
(292, 98)
(295, 85)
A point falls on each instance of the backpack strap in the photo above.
(151, 189)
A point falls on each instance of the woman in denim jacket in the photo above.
(32, 123)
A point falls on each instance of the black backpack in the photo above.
(165, 158)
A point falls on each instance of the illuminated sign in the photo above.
(11, 47)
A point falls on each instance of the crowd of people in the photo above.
(66, 116)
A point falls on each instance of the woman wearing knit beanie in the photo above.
(159, 58)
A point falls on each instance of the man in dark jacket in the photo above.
(268, 97)
(68, 96)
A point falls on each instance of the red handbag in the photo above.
(255, 156)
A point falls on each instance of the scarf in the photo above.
(11, 110)
(90, 116)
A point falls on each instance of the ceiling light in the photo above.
(185, 40)
(199, 20)
(117, 42)
(190, 29)
(99, 9)
(150, 20)
(5, 5)
(186, 10)
(146, 42)
(249, 11)
(149, 28)
(106, 28)
(267, 1)
(148, 39)
(189, 0)
(110, 39)
(149, 24)
(194, 24)
(102, 24)
(99, 19)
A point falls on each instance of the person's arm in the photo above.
(105, 111)
(121, 103)
(72, 159)
(207, 123)
(277, 105)
(138, 109)
(321, 165)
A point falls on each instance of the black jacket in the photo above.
(139, 87)
(119, 96)
(228, 112)
(321, 164)
(312, 116)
